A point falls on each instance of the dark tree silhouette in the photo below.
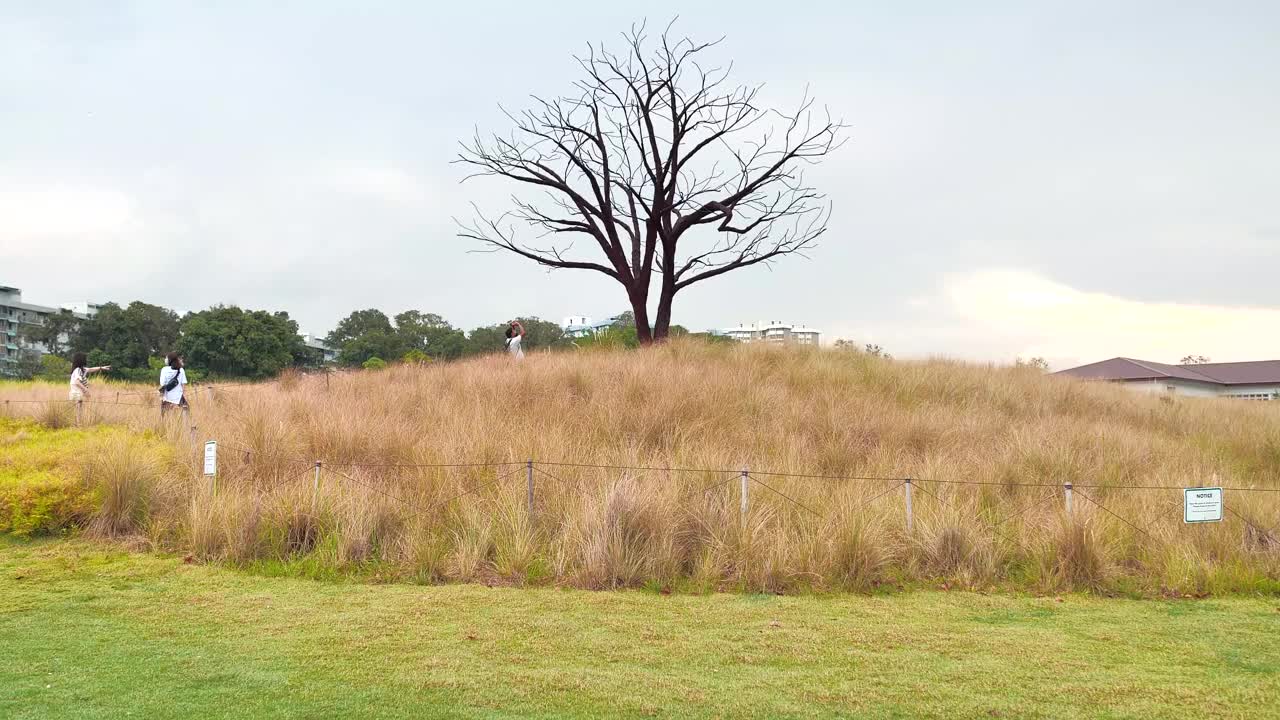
(663, 167)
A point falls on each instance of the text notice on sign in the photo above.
(1202, 505)
(211, 458)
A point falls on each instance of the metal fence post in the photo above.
(910, 521)
(529, 468)
(1066, 489)
(745, 503)
(317, 483)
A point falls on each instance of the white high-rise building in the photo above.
(775, 332)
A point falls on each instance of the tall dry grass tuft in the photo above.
(124, 477)
(56, 415)
(383, 502)
(624, 536)
(1075, 557)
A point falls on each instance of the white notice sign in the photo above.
(1202, 505)
(211, 458)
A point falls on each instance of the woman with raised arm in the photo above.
(80, 371)
(515, 336)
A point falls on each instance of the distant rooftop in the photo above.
(1258, 372)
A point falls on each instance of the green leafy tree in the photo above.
(358, 324)
(54, 368)
(126, 338)
(377, 343)
(228, 341)
(431, 334)
(487, 339)
(29, 365)
(538, 334)
(374, 363)
(624, 320)
(56, 333)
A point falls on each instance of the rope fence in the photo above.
(530, 472)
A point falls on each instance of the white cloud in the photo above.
(393, 187)
(29, 213)
(1040, 317)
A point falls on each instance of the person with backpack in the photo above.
(173, 379)
(515, 335)
(80, 371)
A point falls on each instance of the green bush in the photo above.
(416, 357)
(374, 363)
(54, 368)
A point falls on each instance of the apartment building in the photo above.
(776, 333)
(17, 317)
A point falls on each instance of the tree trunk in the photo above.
(640, 308)
(662, 323)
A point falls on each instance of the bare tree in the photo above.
(652, 148)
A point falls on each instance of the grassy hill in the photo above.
(827, 436)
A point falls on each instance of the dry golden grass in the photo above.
(688, 405)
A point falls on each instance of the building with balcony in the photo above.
(578, 326)
(778, 333)
(16, 318)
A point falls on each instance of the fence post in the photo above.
(745, 503)
(529, 468)
(315, 493)
(79, 411)
(1066, 489)
(910, 521)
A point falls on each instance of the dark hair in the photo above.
(172, 359)
(79, 360)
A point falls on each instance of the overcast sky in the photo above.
(1075, 180)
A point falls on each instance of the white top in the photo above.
(78, 382)
(175, 395)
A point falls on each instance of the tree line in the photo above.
(227, 341)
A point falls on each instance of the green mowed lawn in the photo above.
(90, 631)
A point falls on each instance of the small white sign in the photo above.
(211, 457)
(1202, 505)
